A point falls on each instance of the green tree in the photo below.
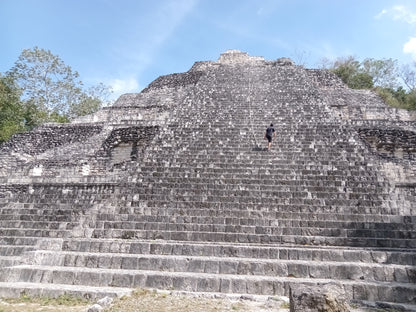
(346, 68)
(53, 87)
(11, 111)
(384, 72)
(410, 102)
(350, 71)
(361, 81)
(408, 75)
(366, 74)
(380, 75)
(90, 101)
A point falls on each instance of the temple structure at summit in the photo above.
(173, 188)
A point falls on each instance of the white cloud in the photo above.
(410, 47)
(399, 13)
(403, 14)
(121, 86)
(380, 15)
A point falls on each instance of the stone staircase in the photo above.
(191, 201)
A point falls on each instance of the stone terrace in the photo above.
(171, 188)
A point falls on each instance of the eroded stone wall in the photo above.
(222, 107)
(48, 137)
(153, 190)
(391, 143)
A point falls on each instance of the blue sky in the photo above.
(127, 44)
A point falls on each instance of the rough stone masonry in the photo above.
(172, 188)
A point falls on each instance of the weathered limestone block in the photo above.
(95, 308)
(391, 143)
(237, 57)
(285, 61)
(105, 302)
(327, 298)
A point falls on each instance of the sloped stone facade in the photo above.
(173, 188)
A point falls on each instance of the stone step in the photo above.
(252, 174)
(244, 136)
(383, 306)
(196, 175)
(266, 204)
(247, 216)
(244, 141)
(221, 146)
(231, 139)
(224, 130)
(237, 164)
(201, 282)
(21, 233)
(254, 238)
(289, 205)
(264, 197)
(331, 230)
(7, 261)
(349, 183)
(16, 289)
(199, 177)
(41, 224)
(11, 254)
(188, 218)
(27, 214)
(224, 265)
(275, 232)
(355, 205)
(264, 251)
(159, 184)
(14, 250)
(240, 217)
(242, 206)
(212, 128)
(274, 227)
(243, 161)
(256, 151)
(247, 191)
(17, 240)
(239, 175)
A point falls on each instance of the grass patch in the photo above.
(285, 305)
(62, 300)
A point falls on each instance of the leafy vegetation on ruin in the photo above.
(395, 84)
(41, 88)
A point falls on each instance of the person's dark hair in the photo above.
(271, 125)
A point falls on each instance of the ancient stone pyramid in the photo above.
(172, 188)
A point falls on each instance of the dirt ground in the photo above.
(152, 301)
(36, 307)
(148, 301)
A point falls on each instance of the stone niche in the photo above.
(125, 144)
(124, 151)
(390, 143)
